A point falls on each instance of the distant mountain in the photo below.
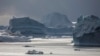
(26, 26)
(56, 20)
(57, 24)
(87, 31)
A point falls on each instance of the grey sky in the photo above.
(36, 9)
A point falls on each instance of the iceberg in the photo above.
(87, 31)
(26, 26)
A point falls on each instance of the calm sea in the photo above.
(59, 47)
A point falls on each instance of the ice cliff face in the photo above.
(87, 31)
(26, 26)
(56, 20)
(86, 25)
(59, 32)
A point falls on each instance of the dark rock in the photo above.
(35, 52)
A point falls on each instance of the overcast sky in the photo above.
(36, 9)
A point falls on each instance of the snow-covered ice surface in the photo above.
(59, 47)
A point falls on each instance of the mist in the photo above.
(36, 9)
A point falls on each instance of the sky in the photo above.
(36, 9)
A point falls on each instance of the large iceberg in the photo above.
(87, 31)
(57, 24)
(56, 20)
(26, 26)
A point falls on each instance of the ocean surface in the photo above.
(59, 47)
